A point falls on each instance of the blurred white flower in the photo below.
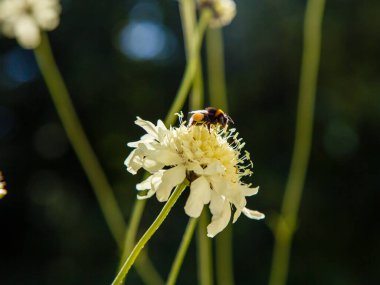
(211, 159)
(3, 190)
(223, 11)
(23, 19)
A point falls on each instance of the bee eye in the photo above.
(198, 117)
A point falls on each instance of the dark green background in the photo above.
(51, 229)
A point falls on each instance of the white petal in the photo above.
(148, 195)
(215, 167)
(134, 161)
(195, 166)
(237, 215)
(157, 180)
(171, 178)
(48, 19)
(165, 156)
(146, 184)
(161, 125)
(220, 221)
(151, 165)
(231, 191)
(152, 182)
(27, 32)
(253, 214)
(216, 203)
(251, 191)
(199, 195)
(147, 138)
(147, 126)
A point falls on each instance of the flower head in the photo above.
(211, 159)
(23, 19)
(223, 11)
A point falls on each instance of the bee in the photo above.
(210, 116)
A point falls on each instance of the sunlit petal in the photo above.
(171, 178)
(199, 195)
(253, 214)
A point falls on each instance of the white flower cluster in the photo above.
(209, 158)
(223, 11)
(24, 19)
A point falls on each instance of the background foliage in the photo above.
(51, 230)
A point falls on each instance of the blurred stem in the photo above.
(187, 10)
(224, 257)
(218, 98)
(83, 149)
(146, 270)
(130, 236)
(287, 221)
(205, 272)
(186, 239)
(79, 141)
(215, 68)
(149, 233)
(191, 67)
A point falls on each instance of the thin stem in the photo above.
(215, 68)
(188, 18)
(149, 233)
(224, 257)
(191, 68)
(205, 271)
(146, 269)
(285, 227)
(186, 239)
(79, 141)
(218, 98)
(130, 236)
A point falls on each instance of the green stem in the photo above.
(188, 19)
(79, 141)
(205, 271)
(186, 239)
(149, 233)
(224, 257)
(191, 68)
(218, 98)
(215, 68)
(130, 236)
(146, 270)
(285, 226)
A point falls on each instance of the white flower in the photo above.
(3, 190)
(209, 158)
(23, 19)
(223, 11)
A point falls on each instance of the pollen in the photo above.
(198, 117)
